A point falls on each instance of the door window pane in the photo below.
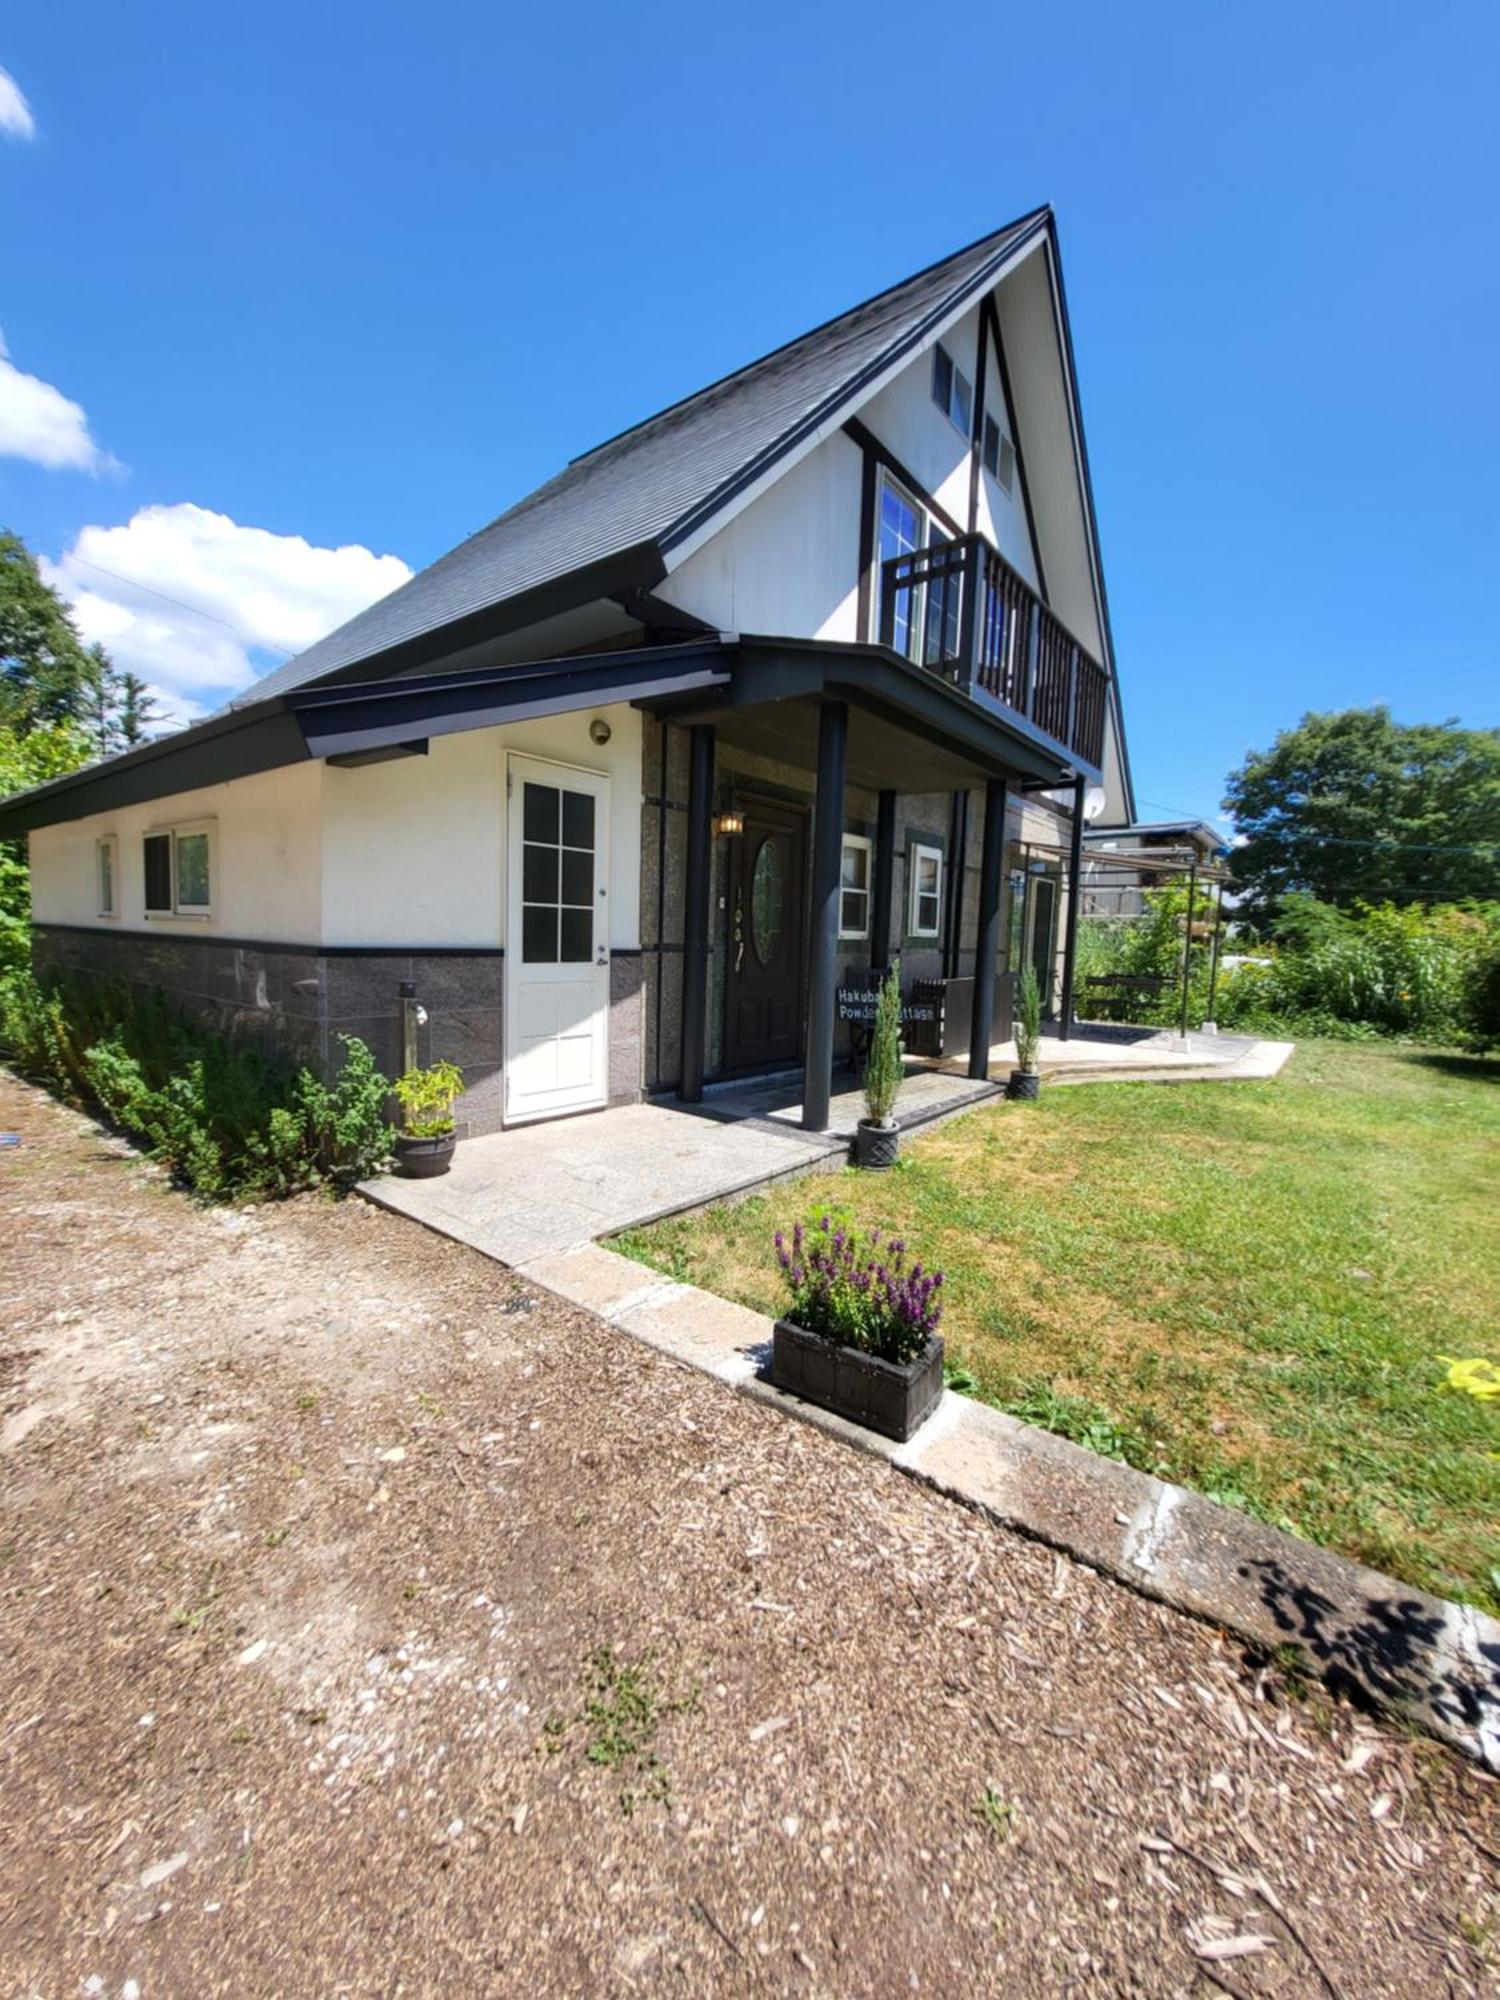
(577, 879)
(539, 812)
(539, 934)
(577, 936)
(578, 819)
(538, 874)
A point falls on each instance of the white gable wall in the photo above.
(788, 565)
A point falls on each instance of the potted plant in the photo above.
(877, 1138)
(1025, 1078)
(424, 1146)
(859, 1336)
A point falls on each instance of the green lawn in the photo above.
(1245, 1287)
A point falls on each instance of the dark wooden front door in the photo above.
(763, 989)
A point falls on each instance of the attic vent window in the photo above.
(999, 454)
(951, 390)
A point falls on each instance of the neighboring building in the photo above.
(1167, 850)
(742, 702)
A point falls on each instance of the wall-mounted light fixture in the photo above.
(728, 823)
(599, 731)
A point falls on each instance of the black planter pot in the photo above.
(876, 1146)
(895, 1399)
(422, 1159)
(1025, 1083)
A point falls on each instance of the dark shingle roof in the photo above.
(660, 481)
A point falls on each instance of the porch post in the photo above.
(823, 928)
(695, 914)
(987, 949)
(1070, 934)
(884, 881)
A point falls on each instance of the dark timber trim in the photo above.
(166, 928)
(695, 926)
(976, 440)
(865, 610)
(823, 928)
(1075, 901)
(987, 946)
(867, 441)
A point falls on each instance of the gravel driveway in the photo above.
(373, 1625)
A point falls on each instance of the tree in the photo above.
(27, 758)
(47, 675)
(1353, 807)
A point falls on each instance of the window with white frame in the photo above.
(178, 863)
(854, 887)
(925, 914)
(999, 454)
(902, 531)
(952, 390)
(107, 876)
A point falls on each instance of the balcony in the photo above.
(961, 611)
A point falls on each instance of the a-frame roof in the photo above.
(653, 486)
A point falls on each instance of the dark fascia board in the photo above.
(638, 568)
(1075, 403)
(355, 720)
(237, 745)
(998, 742)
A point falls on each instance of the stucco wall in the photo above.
(266, 860)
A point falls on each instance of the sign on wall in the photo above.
(856, 1005)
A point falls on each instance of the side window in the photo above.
(106, 875)
(854, 887)
(924, 917)
(177, 866)
(952, 390)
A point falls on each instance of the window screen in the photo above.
(156, 852)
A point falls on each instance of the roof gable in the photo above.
(664, 480)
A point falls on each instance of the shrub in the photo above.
(224, 1119)
(858, 1291)
(884, 1067)
(1481, 1002)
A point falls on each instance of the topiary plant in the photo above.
(1028, 1026)
(885, 1066)
(426, 1098)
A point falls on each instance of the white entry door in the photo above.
(556, 940)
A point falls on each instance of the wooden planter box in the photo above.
(895, 1399)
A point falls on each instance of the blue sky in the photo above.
(364, 275)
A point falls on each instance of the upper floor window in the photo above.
(106, 875)
(854, 887)
(177, 864)
(952, 390)
(903, 530)
(999, 454)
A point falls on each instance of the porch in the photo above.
(536, 1191)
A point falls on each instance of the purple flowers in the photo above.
(857, 1291)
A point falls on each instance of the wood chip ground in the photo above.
(318, 1537)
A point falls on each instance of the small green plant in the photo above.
(624, 1704)
(995, 1812)
(426, 1097)
(1028, 1024)
(885, 1064)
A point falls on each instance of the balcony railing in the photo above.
(960, 610)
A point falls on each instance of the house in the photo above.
(1121, 862)
(621, 794)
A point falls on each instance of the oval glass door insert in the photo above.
(766, 897)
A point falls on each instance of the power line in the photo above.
(262, 645)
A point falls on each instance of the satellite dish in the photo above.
(1095, 799)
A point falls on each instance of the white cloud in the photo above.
(198, 605)
(15, 112)
(41, 423)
